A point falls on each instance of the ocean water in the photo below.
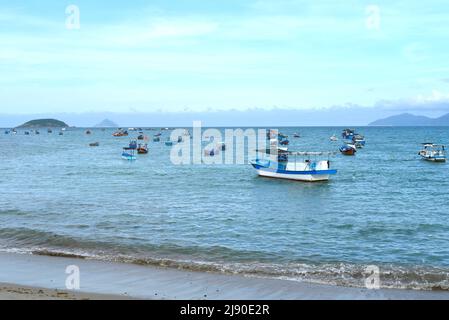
(385, 207)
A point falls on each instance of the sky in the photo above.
(220, 55)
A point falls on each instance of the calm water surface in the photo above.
(385, 207)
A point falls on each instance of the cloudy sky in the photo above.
(196, 55)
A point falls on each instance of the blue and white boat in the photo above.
(129, 154)
(348, 133)
(358, 140)
(306, 170)
(433, 152)
(132, 144)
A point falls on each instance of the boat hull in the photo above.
(433, 159)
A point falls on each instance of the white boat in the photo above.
(433, 152)
(333, 138)
(307, 170)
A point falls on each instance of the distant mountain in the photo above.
(407, 119)
(106, 123)
(44, 123)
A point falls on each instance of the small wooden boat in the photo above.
(129, 154)
(7, 131)
(296, 135)
(88, 132)
(168, 143)
(433, 152)
(94, 144)
(359, 139)
(156, 139)
(141, 137)
(132, 145)
(348, 133)
(120, 133)
(37, 132)
(142, 149)
(27, 133)
(348, 149)
(49, 131)
(61, 133)
(307, 170)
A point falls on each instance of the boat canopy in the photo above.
(432, 145)
(324, 153)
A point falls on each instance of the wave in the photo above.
(23, 240)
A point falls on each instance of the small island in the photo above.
(106, 123)
(44, 123)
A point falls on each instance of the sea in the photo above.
(385, 210)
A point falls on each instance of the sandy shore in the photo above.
(18, 292)
(42, 277)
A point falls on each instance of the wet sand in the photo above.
(24, 276)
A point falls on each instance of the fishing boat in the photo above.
(306, 170)
(132, 145)
(358, 145)
(348, 133)
(284, 142)
(333, 138)
(433, 152)
(142, 148)
(7, 131)
(49, 131)
(348, 149)
(37, 132)
(156, 139)
(61, 133)
(129, 154)
(358, 139)
(168, 143)
(27, 133)
(94, 144)
(296, 135)
(141, 137)
(120, 133)
(88, 132)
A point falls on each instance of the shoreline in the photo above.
(26, 276)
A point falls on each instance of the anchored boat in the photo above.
(433, 152)
(120, 133)
(129, 154)
(348, 149)
(309, 170)
(142, 148)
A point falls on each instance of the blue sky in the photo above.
(196, 55)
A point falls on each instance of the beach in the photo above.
(42, 277)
